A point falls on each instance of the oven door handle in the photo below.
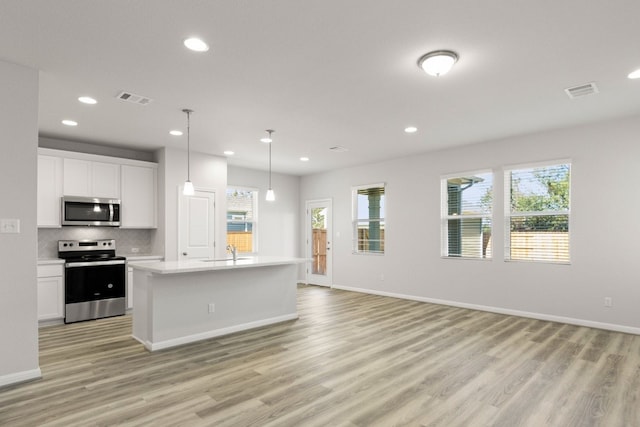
(93, 264)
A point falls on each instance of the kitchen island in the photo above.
(178, 302)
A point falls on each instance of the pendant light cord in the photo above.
(188, 145)
(270, 164)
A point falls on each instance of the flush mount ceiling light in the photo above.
(175, 132)
(229, 153)
(634, 74)
(411, 129)
(67, 122)
(270, 194)
(304, 159)
(87, 100)
(438, 63)
(188, 185)
(195, 44)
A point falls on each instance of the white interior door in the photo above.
(196, 225)
(319, 238)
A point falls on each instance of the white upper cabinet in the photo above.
(139, 197)
(91, 179)
(65, 173)
(106, 180)
(49, 191)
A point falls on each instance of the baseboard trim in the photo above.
(498, 310)
(20, 377)
(160, 345)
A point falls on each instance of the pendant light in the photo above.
(188, 185)
(270, 194)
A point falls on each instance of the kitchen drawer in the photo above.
(49, 270)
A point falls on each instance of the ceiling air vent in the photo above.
(582, 90)
(132, 97)
(338, 149)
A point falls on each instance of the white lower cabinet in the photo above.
(50, 292)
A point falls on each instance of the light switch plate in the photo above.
(9, 225)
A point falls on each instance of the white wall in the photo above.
(18, 252)
(604, 229)
(207, 173)
(278, 221)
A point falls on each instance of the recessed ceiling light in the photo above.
(438, 63)
(229, 153)
(411, 129)
(69, 122)
(196, 44)
(87, 100)
(634, 74)
(304, 159)
(175, 132)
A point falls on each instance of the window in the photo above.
(368, 219)
(242, 218)
(537, 211)
(467, 201)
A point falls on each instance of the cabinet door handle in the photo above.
(184, 254)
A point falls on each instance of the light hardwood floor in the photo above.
(350, 360)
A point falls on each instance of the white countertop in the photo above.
(196, 265)
(142, 257)
(50, 261)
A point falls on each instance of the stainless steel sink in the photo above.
(224, 259)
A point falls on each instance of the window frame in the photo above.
(254, 222)
(508, 215)
(445, 217)
(355, 220)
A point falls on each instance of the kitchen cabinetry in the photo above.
(138, 197)
(67, 173)
(50, 292)
(91, 179)
(49, 190)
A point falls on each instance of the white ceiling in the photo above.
(322, 73)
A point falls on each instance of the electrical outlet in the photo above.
(135, 250)
(608, 302)
(212, 307)
(9, 226)
(382, 276)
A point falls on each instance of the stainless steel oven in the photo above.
(95, 279)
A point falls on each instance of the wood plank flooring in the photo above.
(350, 360)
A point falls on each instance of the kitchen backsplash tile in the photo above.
(126, 239)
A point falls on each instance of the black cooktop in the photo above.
(90, 257)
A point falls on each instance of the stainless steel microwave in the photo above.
(90, 211)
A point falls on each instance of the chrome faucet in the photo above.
(234, 251)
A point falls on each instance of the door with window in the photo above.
(196, 225)
(319, 238)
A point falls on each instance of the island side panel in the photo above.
(141, 307)
(243, 298)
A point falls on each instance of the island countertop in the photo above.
(196, 265)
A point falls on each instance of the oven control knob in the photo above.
(110, 285)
